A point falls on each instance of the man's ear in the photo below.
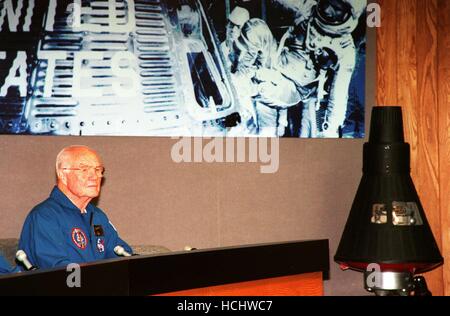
(62, 176)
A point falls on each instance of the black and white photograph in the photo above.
(226, 68)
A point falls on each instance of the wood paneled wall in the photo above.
(413, 71)
(444, 134)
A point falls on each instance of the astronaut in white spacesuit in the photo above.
(325, 26)
(263, 91)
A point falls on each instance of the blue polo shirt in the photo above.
(56, 234)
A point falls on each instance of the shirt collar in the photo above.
(63, 200)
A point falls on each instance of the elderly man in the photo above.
(66, 228)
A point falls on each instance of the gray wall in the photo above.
(152, 200)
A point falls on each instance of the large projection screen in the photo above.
(270, 68)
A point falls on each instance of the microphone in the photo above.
(21, 256)
(120, 251)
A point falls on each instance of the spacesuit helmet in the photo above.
(255, 46)
(334, 11)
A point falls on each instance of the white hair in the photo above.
(67, 151)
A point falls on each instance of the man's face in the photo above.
(334, 11)
(233, 31)
(85, 182)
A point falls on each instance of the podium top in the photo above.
(176, 271)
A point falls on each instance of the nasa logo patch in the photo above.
(101, 245)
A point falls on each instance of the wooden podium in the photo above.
(290, 268)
